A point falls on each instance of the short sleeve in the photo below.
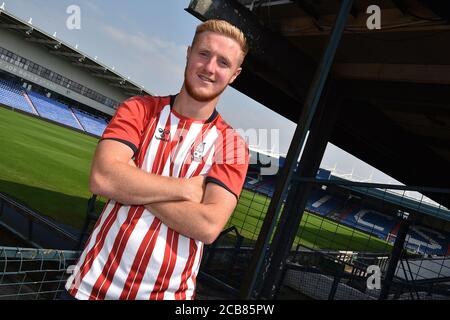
(128, 122)
(230, 163)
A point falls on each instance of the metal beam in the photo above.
(259, 261)
(67, 54)
(105, 76)
(14, 26)
(89, 66)
(396, 255)
(251, 4)
(298, 194)
(131, 93)
(309, 7)
(125, 87)
(43, 41)
(305, 26)
(413, 107)
(371, 185)
(419, 93)
(416, 73)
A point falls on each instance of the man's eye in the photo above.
(223, 63)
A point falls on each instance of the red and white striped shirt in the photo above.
(131, 254)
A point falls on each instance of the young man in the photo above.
(173, 171)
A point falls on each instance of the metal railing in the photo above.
(34, 274)
(333, 250)
(33, 228)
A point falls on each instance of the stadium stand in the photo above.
(420, 239)
(11, 94)
(323, 203)
(265, 186)
(53, 110)
(427, 241)
(90, 123)
(370, 221)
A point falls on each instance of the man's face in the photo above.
(213, 62)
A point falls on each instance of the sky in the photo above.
(147, 41)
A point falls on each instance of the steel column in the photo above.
(300, 136)
(395, 257)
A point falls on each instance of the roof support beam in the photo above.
(125, 87)
(90, 66)
(261, 3)
(309, 8)
(67, 54)
(394, 72)
(130, 93)
(415, 92)
(109, 77)
(43, 41)
(14, 26)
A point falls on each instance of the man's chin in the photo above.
(203, 97)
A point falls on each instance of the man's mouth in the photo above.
(204, 78)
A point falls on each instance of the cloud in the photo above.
(161, 62)
(92, 7)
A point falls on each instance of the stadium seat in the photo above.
(90, 123)
(54, 110)
(11, 94)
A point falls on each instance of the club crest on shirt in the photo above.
(162, 134)
(197, 154)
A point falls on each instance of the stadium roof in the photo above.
(394, 83)
(403, 201)
(74, 56)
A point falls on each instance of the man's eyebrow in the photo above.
(206, 49)
(200, 48)
(225, 58)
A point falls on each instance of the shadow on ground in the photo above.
(59, 207)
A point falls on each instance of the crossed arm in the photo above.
(185, 205)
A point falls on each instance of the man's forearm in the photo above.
(130, 185)
(187, 218)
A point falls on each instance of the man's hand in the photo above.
(201, 221)
(115, 176)
(195, 188)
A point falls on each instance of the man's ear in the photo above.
(188, 53)
(235, 75)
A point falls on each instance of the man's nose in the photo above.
(210, 65)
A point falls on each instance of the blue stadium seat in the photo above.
(427, 241)
(11, 94)
(322, 203)
(371, 221)
(90, 123)
(359, 217)
(54, 110)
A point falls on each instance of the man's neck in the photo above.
(187, 106)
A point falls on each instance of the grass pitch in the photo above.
(315, 232)
(46, 167)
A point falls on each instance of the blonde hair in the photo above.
(225, 28)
